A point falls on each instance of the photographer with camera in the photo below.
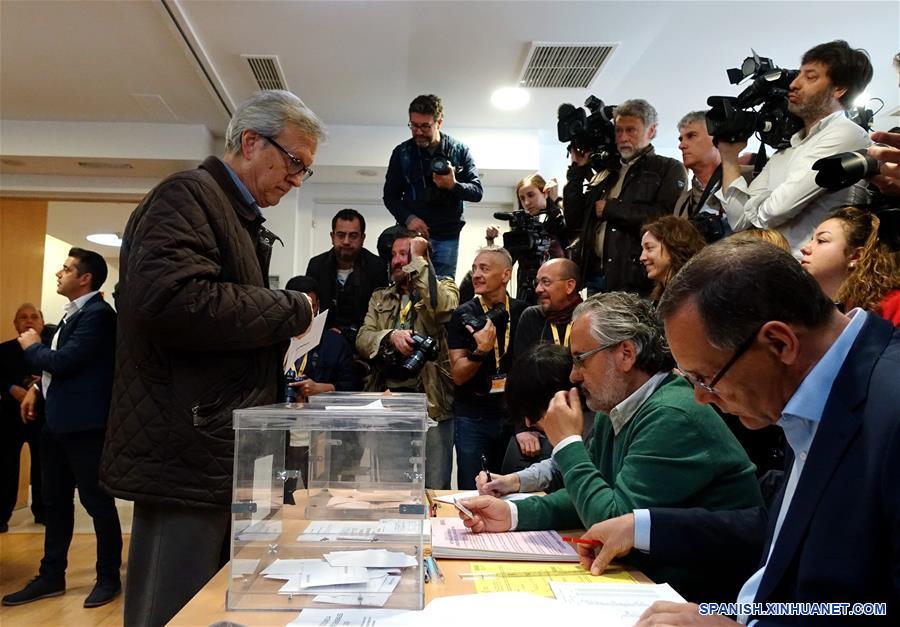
(784, 195)
(404, 336)
(481, 336)
(427, 180)
(619, 198)
(538, 232)
(347, 274)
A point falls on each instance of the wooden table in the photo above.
(208, 606)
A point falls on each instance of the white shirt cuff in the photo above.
(642, 530)
(565, 442)
(513, 515)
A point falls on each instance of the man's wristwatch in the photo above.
(478, 355)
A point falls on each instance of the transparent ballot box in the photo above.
(329, 503)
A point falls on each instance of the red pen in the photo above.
(582, 541)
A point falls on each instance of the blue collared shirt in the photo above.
(799, 419)
(248, 197)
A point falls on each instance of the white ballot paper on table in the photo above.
(301, 345)
(614, 604)
(368, 406)
(370, 558)
(286, 568)
(343, 618)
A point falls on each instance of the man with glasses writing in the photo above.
(652, 442)
(756, 336)
(200, 334)
(428, 178)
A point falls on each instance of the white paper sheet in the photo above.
(368, 406)
(262, 530)
(370, 558)
(343, 618)
(468, 494)
(403, 527)
(331, 530)
(262, 486)
(306, 342)
(285, 568)
(614, 604)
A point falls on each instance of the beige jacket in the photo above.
(384, 309)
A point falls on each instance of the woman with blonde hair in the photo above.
(852, 266)
(666, 245)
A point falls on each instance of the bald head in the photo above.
(556, 285)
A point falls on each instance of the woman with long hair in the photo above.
(852, 266)
(666, 245)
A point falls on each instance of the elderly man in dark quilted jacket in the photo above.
(199, 334)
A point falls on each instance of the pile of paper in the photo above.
(364, 530)
(450, 538)
(355, 499)
(343, 577)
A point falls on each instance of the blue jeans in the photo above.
(476, 437)
(446, 254)
(439, 455)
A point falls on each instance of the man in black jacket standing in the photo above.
(347, 274)
(200, 335)
(76, 382)
(618, 201)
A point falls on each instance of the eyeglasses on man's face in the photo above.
(580, 359)
(545, 282)
(295, 165)
(710, 388)
(425, 128)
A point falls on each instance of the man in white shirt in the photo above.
(784, 195)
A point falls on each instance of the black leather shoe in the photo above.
(38, 588)
(103, 593)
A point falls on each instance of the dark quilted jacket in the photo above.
(198, 336)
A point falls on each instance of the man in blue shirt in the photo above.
(428, 178)
(756, 336)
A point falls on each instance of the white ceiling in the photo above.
(360, 63)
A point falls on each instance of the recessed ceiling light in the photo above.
(510, 98)
(105, 239)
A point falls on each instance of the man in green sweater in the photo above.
(652, 443)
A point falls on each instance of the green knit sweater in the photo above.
(673, 452)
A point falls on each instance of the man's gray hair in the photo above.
(497, 250)
(638, 108)
(690, 118)
(619, 316)
(268, 112)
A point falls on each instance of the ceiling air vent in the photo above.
(266, 70)
(564, 65)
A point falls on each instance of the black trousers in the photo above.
(174, 551)
(12, 437)
(69, 460)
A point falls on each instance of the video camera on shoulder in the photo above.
(734, 119)
(594, 133)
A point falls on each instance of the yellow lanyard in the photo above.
(555, 333)
(302, 365)
(497, 353)
(404, 312)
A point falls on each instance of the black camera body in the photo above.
(528, 237)
(595, 132)
(398, 366)
(735, 118)
(425, 350)
(496, 314)
(440, 165)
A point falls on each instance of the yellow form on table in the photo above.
(535, 578)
